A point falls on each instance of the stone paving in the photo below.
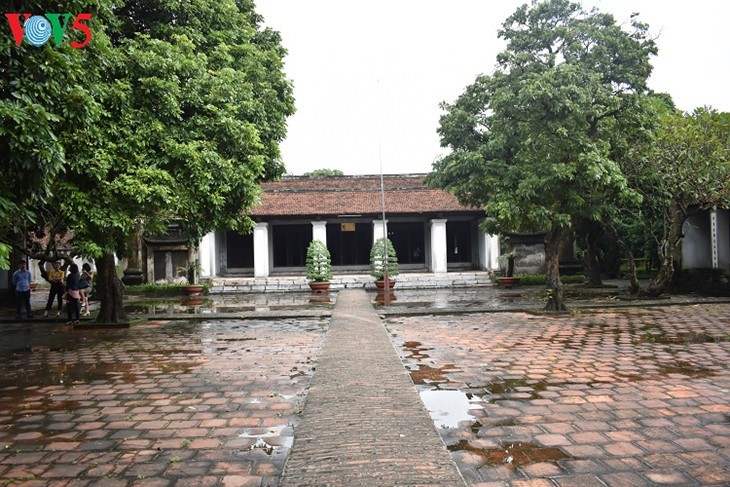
(636, 396)
(160, 404)
(363, 423)
(626, 397)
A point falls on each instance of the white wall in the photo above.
(696, 245)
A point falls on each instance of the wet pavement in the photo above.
(363, 423)
(632, 396)
(615, 393)
(160, 403)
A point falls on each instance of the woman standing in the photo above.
(55, 277)
(85, 284)
(72, 294)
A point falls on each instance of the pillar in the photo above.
(208, 255)
(261, 250)
(438, 246)
(720, 235)
(319, 231)
(378, 232)
(488, 251)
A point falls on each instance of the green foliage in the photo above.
(49, 100)
(378, 262)
(537, 142)
(532, 143)
(323, 173)
(540, 279)
(161, 289)
(174, 110)
(685, 166)
(687, 161)
(5, 256)
(319, 266)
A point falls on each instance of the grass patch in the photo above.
(539, 279)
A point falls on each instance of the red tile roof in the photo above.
(353, 195)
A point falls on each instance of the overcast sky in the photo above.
(369, 76)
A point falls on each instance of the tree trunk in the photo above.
(674, 218)
(552, 259)
(110, 292)
(593, 266)
(634, 286)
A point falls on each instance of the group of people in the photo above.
(74, 288)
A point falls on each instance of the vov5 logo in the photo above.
(37, 29)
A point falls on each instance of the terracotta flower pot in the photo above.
(318, 286)
(193, 289)
(381, 284)
(508, 281)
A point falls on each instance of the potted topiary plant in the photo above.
(319, 266)
(379, 265)
(508, 279)
(192, 272)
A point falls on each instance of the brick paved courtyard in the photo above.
(162, 403)
(625, 397)
(619, 397)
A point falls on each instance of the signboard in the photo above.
(347, 227)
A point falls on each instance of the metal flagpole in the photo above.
(386, 278)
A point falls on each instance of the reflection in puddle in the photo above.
(513, 454)
(449, 408)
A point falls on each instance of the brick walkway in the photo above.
(159, 404)
(363, 423)
(629, 397)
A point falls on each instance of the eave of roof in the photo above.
(404, 194)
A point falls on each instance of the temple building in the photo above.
(430, 230)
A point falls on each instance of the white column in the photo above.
(488, 251)
(207, 255)
(319, 231)
(378, 232)
(720, 234)
(261, 250)
(438, 246)
(493, 242)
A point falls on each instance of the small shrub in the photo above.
(319, 262)
(377, 259)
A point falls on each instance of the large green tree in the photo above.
(193, 104)
(48, 100)
(532, 142)
(682, 169)
(196, 107)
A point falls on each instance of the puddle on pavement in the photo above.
(449, 408)
(516, 389)
(685, 368)
(431, 376)
(270, 440)
(67, 374)
(513, 454)
(217, 305)
(656, 335)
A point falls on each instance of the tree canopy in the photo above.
(534, 142)
(683, 168)
(190, 103)
(323, 173)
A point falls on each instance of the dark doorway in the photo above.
(408, 241)
(349, 243)
(458, 242)
(290, 244)
(239, 250)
